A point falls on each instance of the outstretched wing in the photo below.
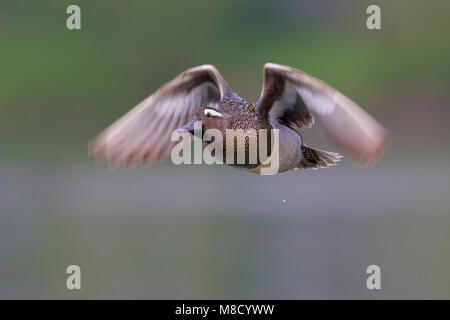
(143, 134)
(296, 99)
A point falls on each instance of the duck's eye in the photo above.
(211, 113)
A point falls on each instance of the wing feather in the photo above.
(143, 134)
(297, 99)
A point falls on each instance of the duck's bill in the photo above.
(190, 125)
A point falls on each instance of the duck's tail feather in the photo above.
(316, 158)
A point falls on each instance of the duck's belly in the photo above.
(289, 152)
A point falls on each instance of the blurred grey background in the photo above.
(200, 232)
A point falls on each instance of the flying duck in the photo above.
(290, 101)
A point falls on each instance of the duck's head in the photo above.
(210, 119)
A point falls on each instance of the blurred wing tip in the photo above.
(273, 65)
(379, 149)
(93, 152)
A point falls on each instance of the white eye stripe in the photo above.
(211, 112)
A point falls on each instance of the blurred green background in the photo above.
(213, 232)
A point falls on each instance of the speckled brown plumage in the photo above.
(244, 116)
(238, 115)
